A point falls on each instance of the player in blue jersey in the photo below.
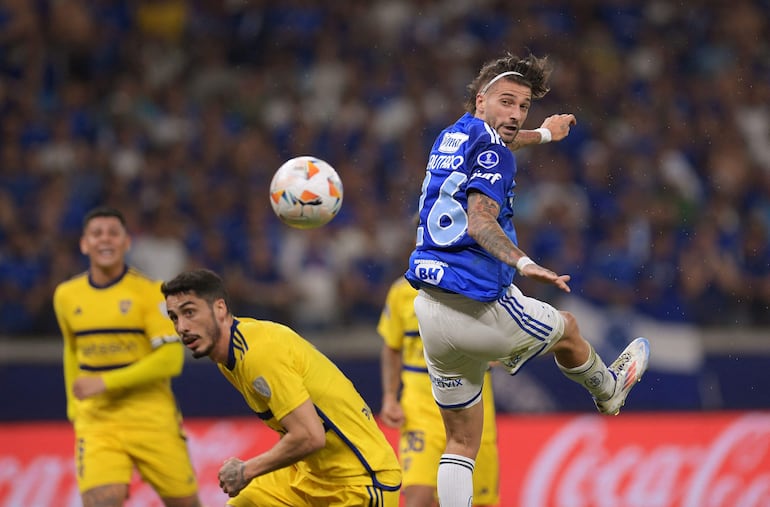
(407, 401)
(468, 309)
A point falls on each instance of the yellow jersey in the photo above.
(276, 370)
(106, 331)
(399, 329)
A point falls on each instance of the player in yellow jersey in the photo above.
(416, 414)
(331, 450)
(120, 352)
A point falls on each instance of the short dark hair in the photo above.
(204, 283)
(104, 211)
(534, 73)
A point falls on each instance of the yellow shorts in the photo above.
(291, 487)
(107, 455)
(423, 441)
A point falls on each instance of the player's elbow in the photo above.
(316, 441)
(482, 215)
(176, 367)
(173, 358)
(475, 225)
(311, 442)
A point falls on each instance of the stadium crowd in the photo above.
(178, 113)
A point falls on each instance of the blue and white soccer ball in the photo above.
(306, 192)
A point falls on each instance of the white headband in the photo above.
(499, 76)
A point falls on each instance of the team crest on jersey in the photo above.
(124, 305)
(488, 159)
(260, 385)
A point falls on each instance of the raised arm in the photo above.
(557, 127)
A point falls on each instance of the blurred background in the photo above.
(178, 113)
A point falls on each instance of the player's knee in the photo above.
(571, 330)
(571, 335)
(419, 496)
(109, 494)
(188, 501)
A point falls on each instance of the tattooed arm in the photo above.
(484, 229)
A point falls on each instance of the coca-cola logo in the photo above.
(577, 467)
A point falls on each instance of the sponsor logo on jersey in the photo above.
(490, 177)
(108, 349)
(429, 271)
(444, 161)
(452, 141)
(488, 159)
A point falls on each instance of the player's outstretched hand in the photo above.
(559, 125)
(231, 476)
(545, 275)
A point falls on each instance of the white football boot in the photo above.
(628, 369)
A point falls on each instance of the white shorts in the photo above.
(461, 336)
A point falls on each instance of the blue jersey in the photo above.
(467, 155)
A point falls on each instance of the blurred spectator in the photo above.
(710, 277)
(612, 272)
(307, 262)
(368, 254)
(659, 294)
(21, 43)
(157, 248)
(755, 264)
(259, 289)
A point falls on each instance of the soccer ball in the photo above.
(306, 192)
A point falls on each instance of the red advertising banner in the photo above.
(647, 460)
